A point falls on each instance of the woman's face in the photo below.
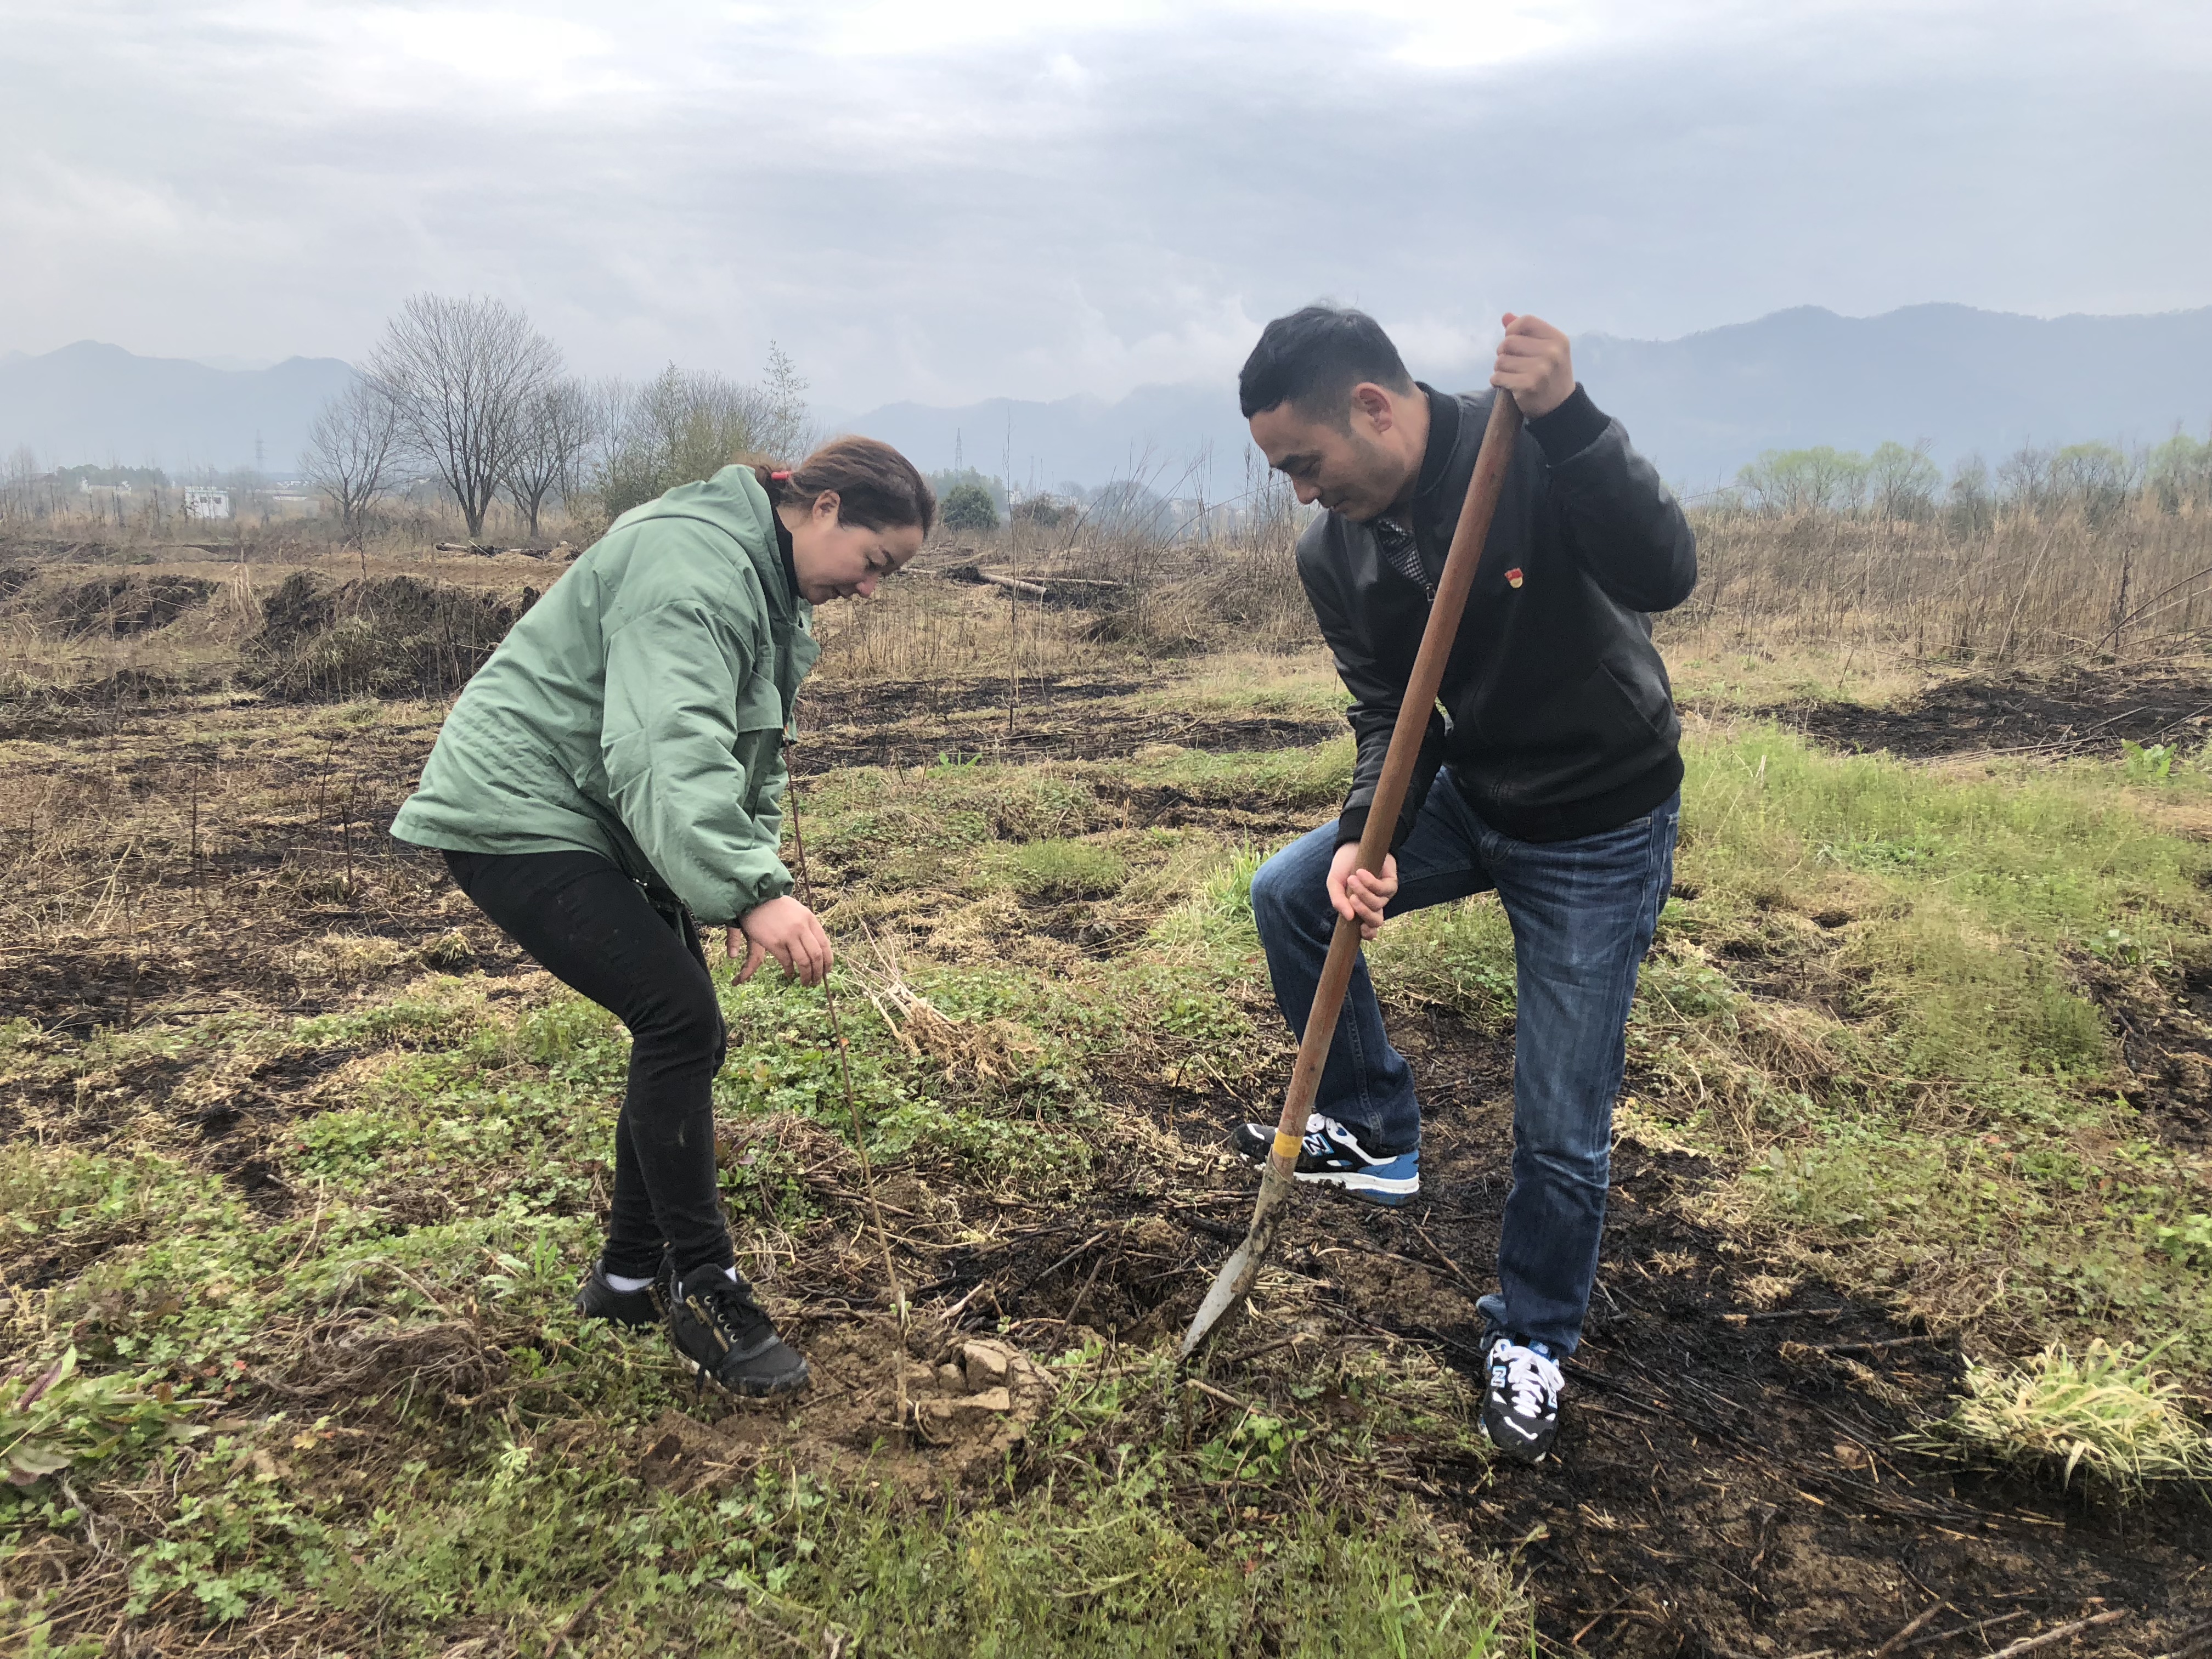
(835, 561)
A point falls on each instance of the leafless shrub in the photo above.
(557, 430)
(685, 425)
(351, 450)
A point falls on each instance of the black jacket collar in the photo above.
(1441, 486)
(783, 546)
(1444, 438)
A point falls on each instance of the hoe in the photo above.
(1234, 1282)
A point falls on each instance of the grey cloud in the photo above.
(946, 224)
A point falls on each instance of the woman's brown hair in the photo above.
(877, 488)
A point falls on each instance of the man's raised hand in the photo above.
(1357, 896)
(1535, 364)
(786, 930)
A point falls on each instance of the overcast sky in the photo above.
(948, 202)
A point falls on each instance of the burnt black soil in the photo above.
(918, 723)
(1725, 1481)
(2164, 1028)
(2070, 711)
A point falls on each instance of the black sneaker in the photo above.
(1521, 1411)
(723, 1335)
(1331, 1156)
(596, 1299)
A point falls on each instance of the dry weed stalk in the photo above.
(2049, 583)
(988, 1051)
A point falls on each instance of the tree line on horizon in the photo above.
(1900, 482)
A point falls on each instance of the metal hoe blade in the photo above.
(1242, 1271)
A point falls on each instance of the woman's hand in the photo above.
(786, 930)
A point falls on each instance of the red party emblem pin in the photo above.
(1513, 577)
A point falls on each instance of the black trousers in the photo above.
(596, 931)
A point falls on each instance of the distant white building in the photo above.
(206, 504)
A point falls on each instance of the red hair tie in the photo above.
(779, 476)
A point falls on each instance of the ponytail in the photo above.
(877, 488)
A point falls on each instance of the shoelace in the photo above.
(1534, 1380)
(732, 1308)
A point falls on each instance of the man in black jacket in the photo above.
(1549, 773)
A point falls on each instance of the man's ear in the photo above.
(1373, 402)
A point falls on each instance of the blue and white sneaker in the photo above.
(1520, 1407)
(1332, 1155)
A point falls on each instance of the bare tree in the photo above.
(463, 375)
(556, 431)
(352, 448)
(19, 474)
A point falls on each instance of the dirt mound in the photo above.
(969, 1402)
(387, 637)
(117, 607)
(2069, 711)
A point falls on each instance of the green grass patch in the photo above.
(2106, 1413)
(1066, 870)
(1877, 1005)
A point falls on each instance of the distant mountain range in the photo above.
(1700, 406)
(1962, 378)
(99, 403)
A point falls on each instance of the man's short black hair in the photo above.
(1313, 358)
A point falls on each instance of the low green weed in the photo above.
(58, 1417)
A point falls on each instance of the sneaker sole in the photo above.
(1511, 1455)
(1391, 1191)
(774, 1390)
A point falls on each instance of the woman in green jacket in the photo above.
(614, 771)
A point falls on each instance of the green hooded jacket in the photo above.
(638, 710)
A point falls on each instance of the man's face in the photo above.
(1350, 468)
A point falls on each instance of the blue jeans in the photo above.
(1583, 914)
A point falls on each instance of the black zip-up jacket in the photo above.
(1557, 717)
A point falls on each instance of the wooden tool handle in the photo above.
(1436, 641)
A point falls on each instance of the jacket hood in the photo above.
(732, 502)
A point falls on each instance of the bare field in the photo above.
(302, 1160)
